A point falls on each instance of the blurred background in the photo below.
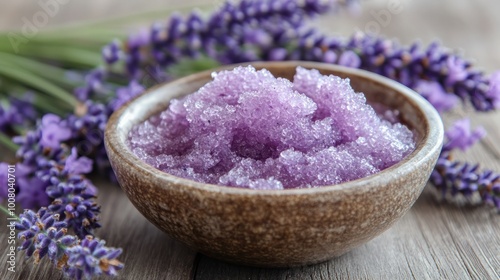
(471, 27)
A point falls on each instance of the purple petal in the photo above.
(53, 131)
(460, 135)
(436, 95)
(75, 165)
(349, 59)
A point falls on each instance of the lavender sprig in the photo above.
(43, 235)
(454, 178)
(73, 195)
(50, 173)
(229, 34)
(439, 75)
(88, 132)
(413, 65)
(458, 179)
(90, 258)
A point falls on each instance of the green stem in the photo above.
(46, 106)
(34, 81)
(8, 213)
(7, 142)
(66, 55)
(55, 74)
(41, 102)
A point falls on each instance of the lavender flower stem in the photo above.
(44, 70)
(41, 102)
(8, 213)
(68, 55)
(28, 78)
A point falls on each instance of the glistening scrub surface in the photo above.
(249, 129)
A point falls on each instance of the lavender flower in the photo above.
(421, 69)
(494, 89)
(124, 94)
(19, 111)
(54, 131)
(436, 95)
(229, 34)
(33, 157)
(111, 52)
(461, 136)
(453, 178)
(349, 59)
(90, 258)
(93, 84)
(50, 174)
(88, 129)
(43, 235)
(31, 189)
(412, 65)
(277, 54)
(73, 195)
(166, 44)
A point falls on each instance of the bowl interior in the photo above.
(415, 111)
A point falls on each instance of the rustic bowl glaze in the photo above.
(277, 228)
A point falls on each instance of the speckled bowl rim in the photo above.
(432, 140)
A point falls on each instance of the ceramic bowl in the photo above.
(277, 228)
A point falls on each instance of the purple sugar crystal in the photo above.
(249, 129)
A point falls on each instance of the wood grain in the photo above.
(433, 241)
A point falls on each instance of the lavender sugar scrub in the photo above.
(249, 129)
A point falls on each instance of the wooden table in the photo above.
(433, 241)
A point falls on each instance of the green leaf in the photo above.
(31, 80)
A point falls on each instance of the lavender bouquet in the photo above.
(55, 108)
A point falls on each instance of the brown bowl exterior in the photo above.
(277, 228)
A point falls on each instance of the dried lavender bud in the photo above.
(33, 158)
(461, 136)
(458, 179)
(73, 195)
(43, 235)
(91, 258)
(46, 174)
(454, 178)
(93, 85)
(225, 35)
(411, 66)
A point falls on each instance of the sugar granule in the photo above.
(248, 129)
